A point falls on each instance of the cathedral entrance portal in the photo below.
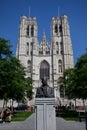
(44, 70)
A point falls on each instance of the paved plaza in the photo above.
(29, 124)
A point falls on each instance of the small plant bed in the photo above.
(68, 115)
(21, 116)
(71, 118)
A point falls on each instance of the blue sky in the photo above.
(44, 10)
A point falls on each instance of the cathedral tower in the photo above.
(62, 53)
(27, 42)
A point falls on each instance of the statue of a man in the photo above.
(44, 91)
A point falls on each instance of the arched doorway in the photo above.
(44, 70)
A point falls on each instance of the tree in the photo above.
(12, 74)
(5, 49)
(13, 84)
(29, 88)
(5, 54)
(75, 80)
(81, 71)
(17, 80)
(68, 81)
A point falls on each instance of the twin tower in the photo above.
(43, 59)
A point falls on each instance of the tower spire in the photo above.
(29, 11)
(58, 11)
(44, 37)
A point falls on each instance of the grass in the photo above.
(68, 115)
(21, 116)
(71, 118)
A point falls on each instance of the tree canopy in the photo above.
(12, 75)
(81, 71)
(75, 79)
(69, 82)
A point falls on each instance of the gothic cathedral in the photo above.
(43, 59)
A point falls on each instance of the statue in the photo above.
(44, 91)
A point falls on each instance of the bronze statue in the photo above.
(44, 91)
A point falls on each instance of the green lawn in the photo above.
(21, 116)
(68, 115)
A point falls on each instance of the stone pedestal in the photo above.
(45, 117)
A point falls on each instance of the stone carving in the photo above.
(44, 90)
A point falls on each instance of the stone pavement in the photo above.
(29, 124)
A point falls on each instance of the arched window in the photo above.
(44, 70)
(61, 48)
(27, 30)
(60, 28)
(27, 48)
(57, 48)
(56, 28)
(29, 66)
(60, 66)
(32, 30)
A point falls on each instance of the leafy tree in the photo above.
(12, 74)
(5, 49)
(29, 88)
(13, 83)
(5, 54)
(75, 80)
(68, 81)
(81, 69)
(17, 80)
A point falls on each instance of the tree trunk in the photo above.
(75, 104)
(84, 103)
(3, 103)
(12, 105)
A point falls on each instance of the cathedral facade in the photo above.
(43, 59)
